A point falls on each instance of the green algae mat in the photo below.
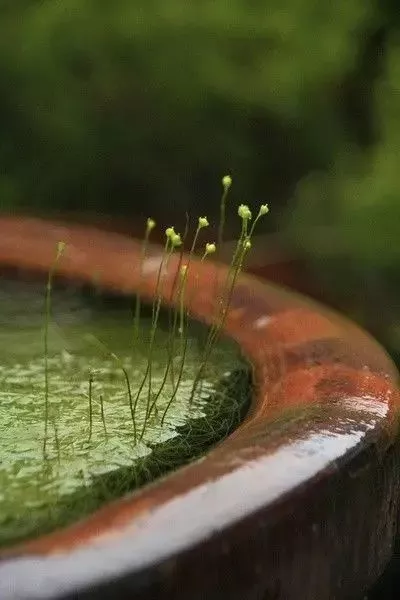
(96, 447)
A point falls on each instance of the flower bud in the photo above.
(176, 240)
(227, 182)
(150, 225)
(203, 222)
(247, 245)
(60, 248)
(244, 212)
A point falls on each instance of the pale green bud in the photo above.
(227, 182)
(60, 248)
(150, 225)
(176, 240)
(247, 245)
(203, 222)
(244, 212)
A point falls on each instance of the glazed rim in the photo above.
(325, 395)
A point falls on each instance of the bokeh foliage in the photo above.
(110, 104)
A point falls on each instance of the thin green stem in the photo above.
(128, 387)
(243, 245)
(230, 294)
(258, 217)
(226, 183)
(57, 440)
(171, 344)
(177, 310)
(150, 352)
(103, 418)
(222, 210)
(47, 316)
(90, 406)
(221, 302)
(171, 348)
(156, 301)
(163, 264)
(184, 341)
(172, 325)
(149, 227)
(119, 362)
(46, 361)
(219, 326)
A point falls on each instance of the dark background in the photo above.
(113, 111)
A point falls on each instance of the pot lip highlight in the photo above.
(307, 361)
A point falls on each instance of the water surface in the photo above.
(90, 433)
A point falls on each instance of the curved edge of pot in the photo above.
(300, 501)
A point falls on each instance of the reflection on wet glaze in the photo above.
(255, 304)
(261, 322)
(151, 265)
(367, 404)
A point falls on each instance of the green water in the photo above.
(93, 449)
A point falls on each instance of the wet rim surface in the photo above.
(302, 496)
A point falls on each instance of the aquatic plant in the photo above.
(150, 225)
(180, 314)
(121, 419)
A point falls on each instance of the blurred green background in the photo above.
(133, 109)
(129, 108)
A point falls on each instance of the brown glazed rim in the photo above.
(299, 502)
